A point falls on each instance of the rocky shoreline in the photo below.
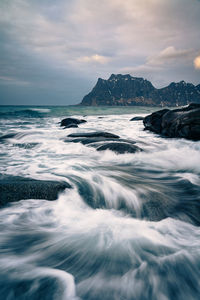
(177, 123)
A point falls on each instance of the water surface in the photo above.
(129, 228)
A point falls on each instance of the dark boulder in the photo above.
(14, 188)
(71, 121)
(94, 134)
(119, 148)
(137, 119)
(183, 123)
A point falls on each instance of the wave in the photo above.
(19, 136)
(23, 280)
(109, 253)
(26, 113)
(148, 195)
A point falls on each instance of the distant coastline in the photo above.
(125, 90)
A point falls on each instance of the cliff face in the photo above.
(127, 90)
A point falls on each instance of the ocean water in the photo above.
(129, 227)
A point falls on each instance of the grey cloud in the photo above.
(59, 45)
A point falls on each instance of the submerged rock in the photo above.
(71, 121)
(7, 136)
(137, 119)
(102, 141)
(26, 145)
(71, 126)
(95, 142)
(14, 188)
(119, 147)
(183, 122)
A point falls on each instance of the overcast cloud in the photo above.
(52, 52)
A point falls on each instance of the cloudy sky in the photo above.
(53, 51)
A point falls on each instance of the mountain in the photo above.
(126, 90)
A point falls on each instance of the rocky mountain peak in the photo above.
(127, 90)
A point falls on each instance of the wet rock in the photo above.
(94, 134)
(183, 123)
(14, 188)
(71, 121)
(153, 122)
(137, 119)
(119, 147)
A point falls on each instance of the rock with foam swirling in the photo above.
(103, 141)
(71, 122)
(94, 134)
(177, 123)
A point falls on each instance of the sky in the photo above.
(53, 51)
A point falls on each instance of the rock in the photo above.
(137, 119)
(14, 188)
(94, 134)
(153, 122)
(119, 148)
(71, 121)
(182, 123)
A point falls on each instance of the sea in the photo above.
(128, 229)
